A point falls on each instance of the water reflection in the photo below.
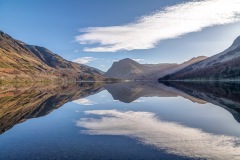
(84, 101)
(226, 95)
(171, 123)
(223, 94)
(20, 103)
(132, 91)
(172, 137)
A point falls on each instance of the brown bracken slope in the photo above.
(22, 62)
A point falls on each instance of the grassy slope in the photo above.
(20, 62)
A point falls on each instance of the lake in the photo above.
(135, 120)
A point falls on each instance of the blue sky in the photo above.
(149, 31)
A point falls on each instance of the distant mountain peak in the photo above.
(197, 58)
(126, 60)
(130, 69)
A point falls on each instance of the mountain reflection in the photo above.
(223, 94)
(130, 92)
(172, 137)
(18, 104)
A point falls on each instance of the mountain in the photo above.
(224, 65)
(22, 62)
(130, 69)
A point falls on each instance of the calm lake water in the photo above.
(121, 121)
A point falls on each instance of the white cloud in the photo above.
(172, 137)
(138, 60)
(76, 51)
(170, 22)
(84, 101)
(84, 60)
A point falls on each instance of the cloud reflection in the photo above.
(84, 101)
(138, 101)
(172, 137)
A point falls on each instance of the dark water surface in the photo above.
(121, 121)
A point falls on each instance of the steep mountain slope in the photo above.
(20, 61)
(224, 65)
(129, 69)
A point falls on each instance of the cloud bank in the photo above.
(84, 60)
(84, 101)
(171, 22)
(172, 137)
